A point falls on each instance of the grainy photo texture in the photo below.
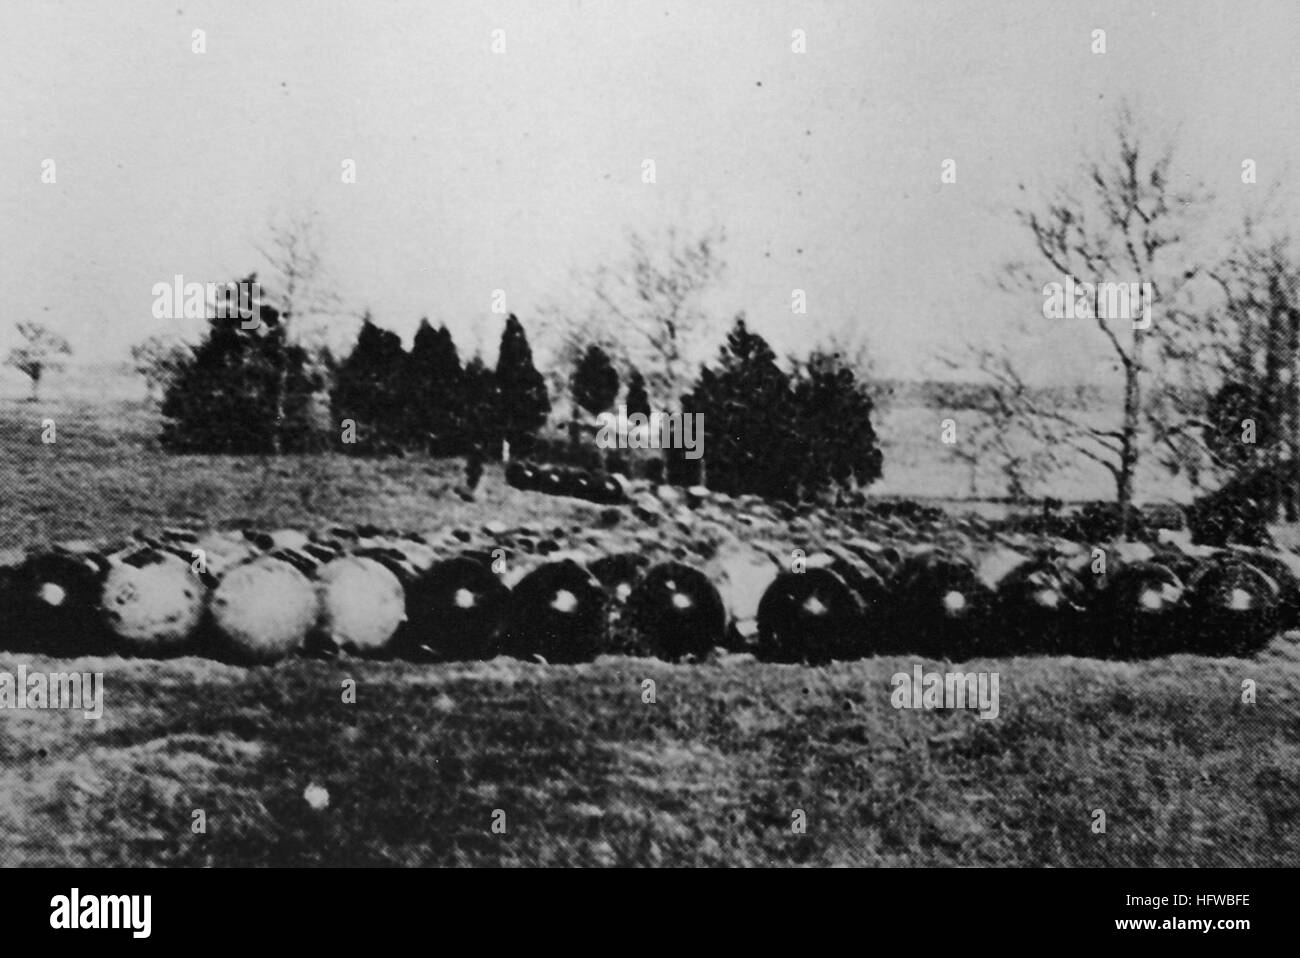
(573, 433)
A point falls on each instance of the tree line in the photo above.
(249, 388)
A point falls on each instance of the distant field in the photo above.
(105, 476)
(917, 463)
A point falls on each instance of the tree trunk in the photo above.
(1129, 444)
(281, 387)
(1274, 403)
(1124, 494)
(575, 433)
(282, 380)
(1292, 402)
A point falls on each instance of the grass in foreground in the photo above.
(588, 774)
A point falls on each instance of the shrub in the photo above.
(595, 381)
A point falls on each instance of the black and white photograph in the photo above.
(579, 434)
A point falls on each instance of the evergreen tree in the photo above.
(481, 409)
(595, 381)
(748, 427)
(779, 436)
(224, 398)
(835, 442)
(521, 390)
(368, 389)
(1232, 405)
(435, 392)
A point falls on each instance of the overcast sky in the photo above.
(478, 171)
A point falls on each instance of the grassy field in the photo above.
(584, 771)
(104, 476)
(712, 773)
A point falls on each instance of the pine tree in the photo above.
(435, 392)
(224, 398)
(782, 436)
(748, 427)
(481, 409)
(834, 441)
(521, 390)
(368, 389)
(595, 381)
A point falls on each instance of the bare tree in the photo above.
(1014, 430)
(647, 311)
(1126, 227)
(158, 358)
(1236, 359)
(293, 254)
(42, 352)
